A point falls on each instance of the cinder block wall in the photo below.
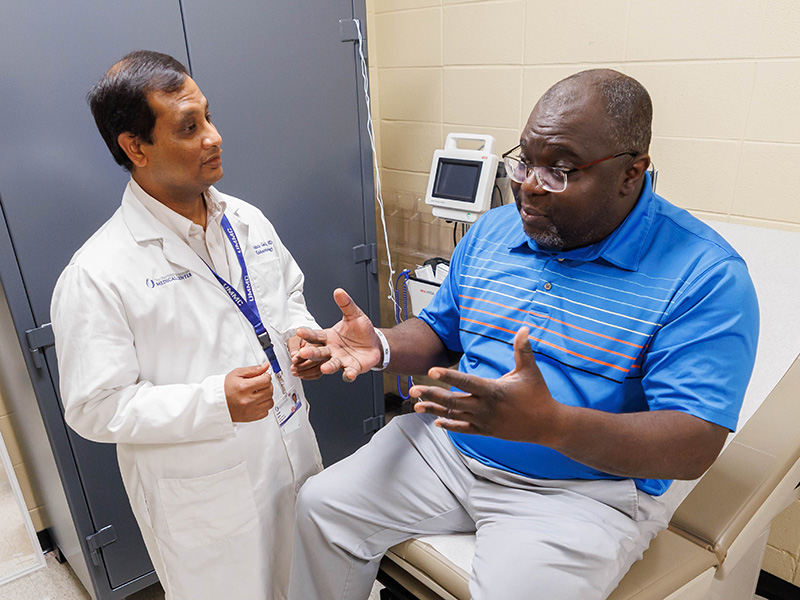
(724, 76)
(29, 492)
(10, 362)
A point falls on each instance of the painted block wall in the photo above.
(724, 76)
(29, 492)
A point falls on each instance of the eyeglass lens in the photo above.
(552, 180)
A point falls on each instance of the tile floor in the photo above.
(58, 582)
(16, 551)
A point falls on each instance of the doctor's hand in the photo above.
(304, 368)
(248, 391)
(517, 406)
(350, 346)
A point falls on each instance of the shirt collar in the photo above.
(177, 223)
(626, 244)
(623, 247)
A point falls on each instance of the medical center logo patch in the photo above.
(164, 280)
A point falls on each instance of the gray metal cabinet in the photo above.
(285, 93)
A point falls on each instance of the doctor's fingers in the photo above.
(257, 408)
(248, 372)
(245, 408)
(259, 400)
(255, 385)
(265, 398)
(241, 382)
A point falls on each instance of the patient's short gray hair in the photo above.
(627, 103)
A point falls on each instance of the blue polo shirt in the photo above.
(660, 315)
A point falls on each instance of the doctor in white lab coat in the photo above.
(155, 355)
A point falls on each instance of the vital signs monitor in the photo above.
(461, 180)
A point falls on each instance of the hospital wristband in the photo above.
(385, 346)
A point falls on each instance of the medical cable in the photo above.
(464, 228)
(371, 132)
(404, 274)
(500, 193)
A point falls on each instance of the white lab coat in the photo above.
(144, 337)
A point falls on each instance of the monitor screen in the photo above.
(457, 179)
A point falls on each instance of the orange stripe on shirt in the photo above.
(486, 312)
(624, 370)
(535, 314)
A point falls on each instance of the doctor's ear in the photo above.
(132, 147)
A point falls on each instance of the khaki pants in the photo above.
(535, 539)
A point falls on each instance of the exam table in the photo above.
(715, 542)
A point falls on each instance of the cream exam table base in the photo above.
(714, 545)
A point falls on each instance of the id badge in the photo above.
(286, 407)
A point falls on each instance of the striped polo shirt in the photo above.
(659, 315)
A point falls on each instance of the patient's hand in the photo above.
(518, 406)
(350, 346)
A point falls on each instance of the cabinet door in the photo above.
(58, 184)
(285, 93)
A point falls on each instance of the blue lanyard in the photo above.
(247, 304)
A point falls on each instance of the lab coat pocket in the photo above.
(303, 449)
(208, 509)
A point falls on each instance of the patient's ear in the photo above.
(634, 173)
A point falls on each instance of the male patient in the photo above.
(606, 340)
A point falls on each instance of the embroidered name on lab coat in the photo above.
(263, 247)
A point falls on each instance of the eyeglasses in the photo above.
(551, 179)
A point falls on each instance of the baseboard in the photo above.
(774, 588)
(45, 541)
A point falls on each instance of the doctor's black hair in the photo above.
(119, 100)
